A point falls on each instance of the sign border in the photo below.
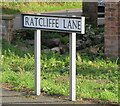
(57, 30)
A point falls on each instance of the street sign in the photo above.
(56, 23)
(70, 25)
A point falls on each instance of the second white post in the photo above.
(72, 48)
(37, 55)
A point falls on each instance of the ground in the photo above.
(12, 97)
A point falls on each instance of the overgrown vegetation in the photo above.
(37, 7)
(97, 76)
(92, 37)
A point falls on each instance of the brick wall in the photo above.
(112, 29)
(7, 27)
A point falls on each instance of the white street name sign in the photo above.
(57, 23)
(70, 25)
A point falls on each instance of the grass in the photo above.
(37, 7)
(97, 76)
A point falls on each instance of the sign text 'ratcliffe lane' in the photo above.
(68, 24)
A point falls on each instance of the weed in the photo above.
(96, 77)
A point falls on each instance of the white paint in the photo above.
(37, 54)
(74, 24)
(72, 47)
(83, 25)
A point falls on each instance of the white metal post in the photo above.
(37, 54)
(82, 25)
(72, 47)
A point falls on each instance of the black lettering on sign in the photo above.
(50, 22)
(36, 21)
(74, 24)
(57, 23)
(47, 22)
(26, 21)
(40, 23)
(64, 26)
(69, 25)
(44, 22)
(79, 24)
(53, 22)
(31, 22)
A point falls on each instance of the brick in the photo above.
(113, 5)
(112, 29)
(114, 13)
(107, 5)
(111, 18)
(111, 9)
(108, 14)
